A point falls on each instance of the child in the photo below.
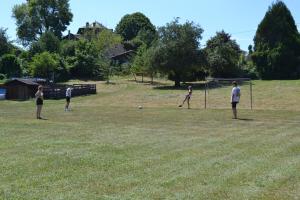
(235, 98)
(68, 98)
(188, 97)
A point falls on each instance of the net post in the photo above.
(205, 94)
(251, 98)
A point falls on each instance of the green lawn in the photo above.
(107, 148)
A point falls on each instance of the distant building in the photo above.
(20, 89)
(118, 53)
(94, 28)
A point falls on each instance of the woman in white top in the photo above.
(39, 98)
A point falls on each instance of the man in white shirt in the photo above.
(68, 98)
(235, 98)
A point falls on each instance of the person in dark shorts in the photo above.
(39, 99)
(235, 98)
(187, 97)
(68, 98)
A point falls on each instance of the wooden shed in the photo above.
(20, 89)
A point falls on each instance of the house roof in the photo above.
(91, 26)
(117, 50)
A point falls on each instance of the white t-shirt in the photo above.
(235, 94)
(68, 92)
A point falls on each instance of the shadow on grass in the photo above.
(245, 119)
(198, 86)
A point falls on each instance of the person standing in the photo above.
(68, 98)
(187, 97)
(39, 99)
(235, 98)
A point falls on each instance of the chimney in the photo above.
(87, 25)
(94, 24)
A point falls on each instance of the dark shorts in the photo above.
(234, 104)
(68, 99)
(39, 101)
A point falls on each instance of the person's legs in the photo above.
(188, 102)
(39, 110)
(185, 99)
(234, 111)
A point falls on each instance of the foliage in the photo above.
(131, 24)
(47, 42)
(10, 66)
(178, 53)
(222, 55)
(44, 65)
(277, 45)
(36, 17)
(4, 42)
(106, 40)
(86, 61)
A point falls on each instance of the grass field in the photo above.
(107, 148)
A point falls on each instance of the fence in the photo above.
(59, 91)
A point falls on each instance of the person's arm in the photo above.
(37, 94)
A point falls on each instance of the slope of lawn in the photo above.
(107, 148)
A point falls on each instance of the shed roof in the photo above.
(25, 81)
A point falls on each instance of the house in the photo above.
(118, 53)
(20, 89)
(94, 28)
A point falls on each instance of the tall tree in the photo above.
(4, 43)
(131, 24)
(222, 55)
(178, 50)
(277, 44)
(35, 17)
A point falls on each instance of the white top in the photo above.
(69, 92)
(235, 94)
(39, 94)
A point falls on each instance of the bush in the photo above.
(2, 77)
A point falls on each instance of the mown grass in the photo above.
(107, 148)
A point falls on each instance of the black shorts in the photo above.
(39, 101)
(68, 99)
(234, 104)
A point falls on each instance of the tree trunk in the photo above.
(177, 80)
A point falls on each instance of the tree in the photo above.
(47, 42)
(145, 61)
(222, 55)
(4, 43)
(131, 24)
(86, 61)
(44, 65)
(10, 65)
(277, 45)
(36, 17)
(178, 53)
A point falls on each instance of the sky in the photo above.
(240, 18)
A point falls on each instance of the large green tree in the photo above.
(222, 55)
(10, 66)
(131, 24)
(178, 52)
(35, 17)
(277, 44)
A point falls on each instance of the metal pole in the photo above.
(205, 95)
(251, 98)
